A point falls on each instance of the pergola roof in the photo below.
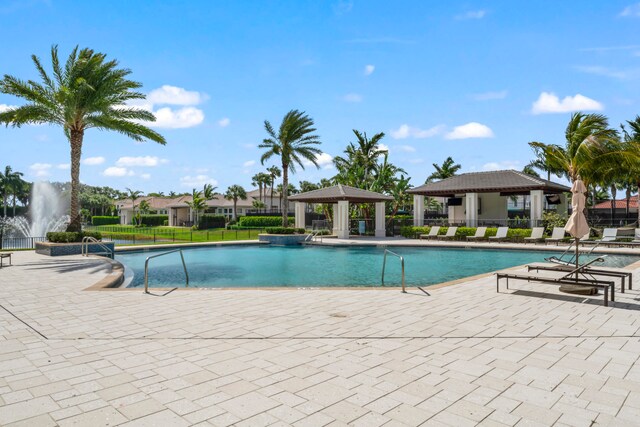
(506, 182)
(340, 192)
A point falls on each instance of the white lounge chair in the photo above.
(480, 232)
(501, 234)
(536, 235)
(432, 233)
(608, 235)
(636, 236)
(556, 235)
(451, 233)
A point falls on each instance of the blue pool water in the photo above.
(314, 266)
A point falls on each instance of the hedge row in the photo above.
(207, 221)
(412, 232)
(105, 220)
(153, 220)
(282, 230)
(262, 221)
(68, 237)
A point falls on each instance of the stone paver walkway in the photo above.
(465, 355)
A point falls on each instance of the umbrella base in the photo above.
(579, 289)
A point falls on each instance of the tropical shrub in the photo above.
(283, 230)
(552, 219)
(105, 220)
(262, 221)
(207, 221)
(71, 236)
(153, 220)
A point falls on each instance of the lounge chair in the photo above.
(480, 232)
(589, 272)
(608, 235)
(451, 233)
(4, 255)
(536, 235)
(556, 235)
(501, 234)
(432, 233)
(636, 236)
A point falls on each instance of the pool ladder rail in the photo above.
(87, 240)
(146, 268)
(384, 264)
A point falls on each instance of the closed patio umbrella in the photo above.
(577, 225)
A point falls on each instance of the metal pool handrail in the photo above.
(84, 248)
(384, 263)
(146, 268)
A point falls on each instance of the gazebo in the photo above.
(482, 196)
(341, 195)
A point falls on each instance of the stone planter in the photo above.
(59, 249)
(283, 239)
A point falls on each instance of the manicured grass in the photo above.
(126, 234)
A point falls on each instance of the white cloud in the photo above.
(470, 130)
(369, 69)
(502, 165)
(115, 171)
(5, 107)
(488, 96)
(145, 175)
(549, 103)
(607, 72)
(352, 97)
(406, 131)
(224, 122)
(40, 169)
(384, 147)
(407, 148)
(324, 160)
(64, 166)
(632, 10)
(144, 161)
(177, 119)
(249, 163)
(472, 14)
(92, 161)
(173, 95)
(197, 181)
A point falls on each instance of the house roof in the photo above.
(506, 181)
(620, 204)
(154, 202)
(340, 192)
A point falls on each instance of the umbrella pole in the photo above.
(577, 255)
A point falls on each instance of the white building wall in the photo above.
(492, 206)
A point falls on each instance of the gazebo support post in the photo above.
(536, 204)
(471, 206)
(342, 219)
(381, 229)
(300, 208)
(418, 210)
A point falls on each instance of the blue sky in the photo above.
(471, 80)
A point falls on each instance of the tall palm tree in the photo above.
(10, 182)
(235, 193)
(87, 92)
(448, 169)
(257, 181)
(196, 204)
(133, 195)
(631, 163)
(274, 172)
(293, 142)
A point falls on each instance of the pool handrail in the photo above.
(384, 263)
(146, 268)
(84, 247)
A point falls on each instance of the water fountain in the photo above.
(46, 213)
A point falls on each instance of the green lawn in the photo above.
(128, 234)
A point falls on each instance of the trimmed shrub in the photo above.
(283, 230)
(207, 221)
(165, 222)
(411, 232)
(69, 237)
(153, 220)
(105, 220)
(262, 221)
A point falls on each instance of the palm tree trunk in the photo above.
(626, 211)
(272, 180)
(613, 202)
(76, 153)
(4, 202)
(14, 205)
(285, 195)
(235, 209)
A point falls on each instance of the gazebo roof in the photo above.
(506, 182)
(340, 192)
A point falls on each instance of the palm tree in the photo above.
(144, 207)
(256, 181)
(234, 193)
(274, 172)
(87, 92)
(365, 154)
(293, 143)
(631, 163)
(541, 163)
(400, 195)
(10, 182)
(133, 195)
(197, 204)
(448, 169)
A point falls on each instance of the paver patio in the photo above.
(465, 355)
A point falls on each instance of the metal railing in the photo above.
(20, 242)
(88, 240)
(384, 264)
(146, 268)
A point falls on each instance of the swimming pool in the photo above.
(319, 266)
